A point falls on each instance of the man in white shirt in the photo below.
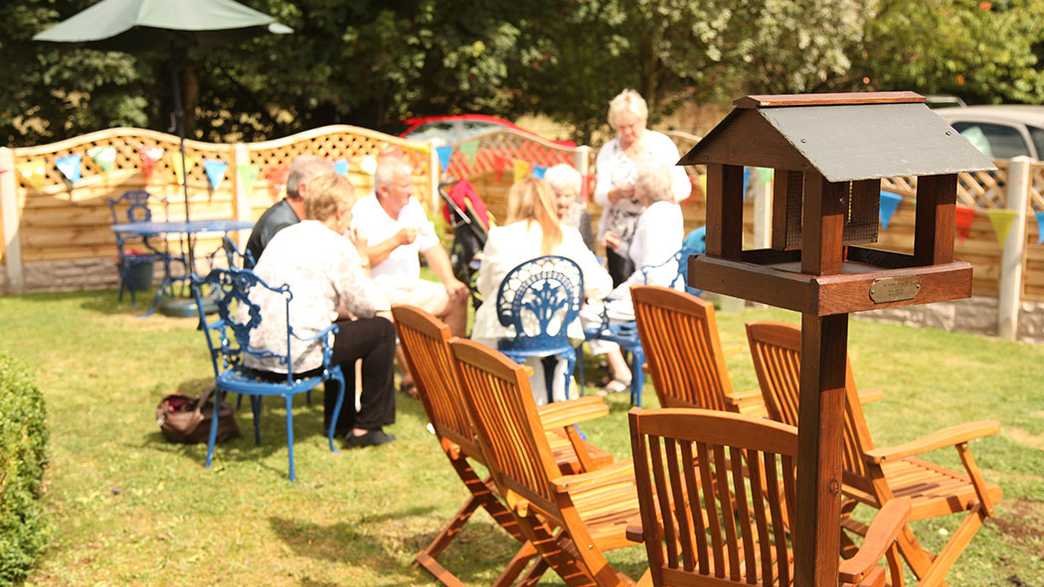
(396, 231)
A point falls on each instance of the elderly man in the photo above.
(396, 230)
(291, 209)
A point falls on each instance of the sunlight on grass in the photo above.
(131, 509)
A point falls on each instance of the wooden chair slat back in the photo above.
(425, 342)
(704, 480)
(501, 405)
(776, 351)
(680, 337)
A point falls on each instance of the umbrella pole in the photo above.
(179, 123)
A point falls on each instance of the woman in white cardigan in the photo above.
(532, 230)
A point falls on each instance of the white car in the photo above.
(1000, 132)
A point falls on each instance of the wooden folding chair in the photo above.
(680, 338)
(876, 476)
(712, 523)
(570, 519)
(425, 342)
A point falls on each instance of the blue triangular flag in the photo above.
(539, 170)
(215, 170)
(445, 152)
(341, 166)
(1040, 226)
(69, 165)
(746, 181)
(889, 202)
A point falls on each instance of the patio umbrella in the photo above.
(172, 26)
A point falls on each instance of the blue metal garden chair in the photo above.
(540, 299)
(228, 337)
(625, 334)
(137, 202)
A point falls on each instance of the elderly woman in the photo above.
(617, 167)
(565, 182)
(532, 230)
(327, 276)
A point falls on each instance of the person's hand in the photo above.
(406, 236)
(612, 241)
(360, 246)
(456, 290)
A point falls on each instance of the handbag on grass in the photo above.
(186, 419)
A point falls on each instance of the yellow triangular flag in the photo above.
(1002, 220)
(174, 161)
(521, 170)
(34, 172)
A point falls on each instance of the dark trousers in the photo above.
(620, 267)
(373, 341)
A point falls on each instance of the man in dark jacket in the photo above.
(289, 210)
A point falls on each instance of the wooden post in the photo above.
(821, 410)
(1009, 295)
(581, 157)
(243, 196)
(435, 174)
(762, 193)
(936, 223)
(11, 220)
(725, 210)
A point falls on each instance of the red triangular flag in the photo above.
(965, 215)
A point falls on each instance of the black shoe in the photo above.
(371, 438)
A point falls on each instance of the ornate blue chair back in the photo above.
(238, 316)
(234, 257)
(540, 299)
(137, 202)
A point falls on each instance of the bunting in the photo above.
(520, 170)
(1040, 227)
(341, 167)
(276, 176)
(889, 203)
(368, 163)
(247, 174)
(469, 149)
(34, 173)
(174, 161)
(445, 152)
(215, 170)
(499, 163)
(149, 157)
(964, 218)
(1002, 220)
(103, 157)
(539, 171)
(69, 165)
(765, 174)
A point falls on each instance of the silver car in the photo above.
(1001, 132)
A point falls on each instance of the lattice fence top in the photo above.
(495, 151)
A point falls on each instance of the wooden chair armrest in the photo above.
(869, 396)
(634, 531)
(748, 403)
(567, 413)
(952, 436)
(610, 475)
(884, 529)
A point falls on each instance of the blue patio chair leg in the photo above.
(570, 366)
(637, 376)
(308, 396)
(290, 433)
(255, 409)
(123, 285)
(239, 401)
(338, 376)
(581, 378)
(549, 364)
(212, 438)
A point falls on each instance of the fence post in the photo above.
(435, 173)
(581, 157)
(1009, 295)
(11, 220)
(762, 195)
(243, 207)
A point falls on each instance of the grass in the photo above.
(129, 508)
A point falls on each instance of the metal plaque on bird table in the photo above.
(894, 289)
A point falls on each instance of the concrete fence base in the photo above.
(977, 314)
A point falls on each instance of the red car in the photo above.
(452, 128)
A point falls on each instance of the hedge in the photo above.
(23, 456)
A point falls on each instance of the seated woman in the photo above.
(327, 276)
(532, 230)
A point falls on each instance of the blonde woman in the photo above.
(617, 171)
(532, 230)
(326, 275)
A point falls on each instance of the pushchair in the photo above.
(466, 214)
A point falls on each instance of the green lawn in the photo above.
(128, 508)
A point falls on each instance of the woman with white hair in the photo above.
(566, 182)
(617, 172)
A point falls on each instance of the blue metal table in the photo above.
(189, 230)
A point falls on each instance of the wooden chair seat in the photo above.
(934, 490)
(564, 452)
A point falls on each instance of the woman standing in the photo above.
(617, 171)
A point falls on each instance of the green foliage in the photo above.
(23, 456)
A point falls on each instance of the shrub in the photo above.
(23, 456)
